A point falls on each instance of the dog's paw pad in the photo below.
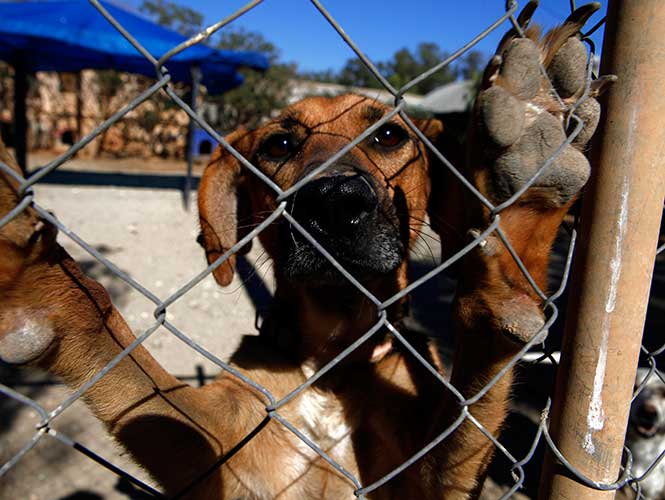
(568, 69)
(523, 122)
(589, 113)
(517, 164)
(514, 316)
(502, 114)
(520, 71)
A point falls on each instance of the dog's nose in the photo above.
(335, 204)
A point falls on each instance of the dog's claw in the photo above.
(523, 20)
(601, 84)
(525, 16)
(581, 15)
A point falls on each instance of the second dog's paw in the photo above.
(521, 121)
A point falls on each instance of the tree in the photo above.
(403, 67)
(184, 20)
(471, 65)
(327, 75)
(406, 66)
(232, 38)
(355, 74)
(262, 92)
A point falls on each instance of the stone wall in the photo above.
(62, 110)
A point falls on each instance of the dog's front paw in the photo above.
(526, 157)
(523, 117)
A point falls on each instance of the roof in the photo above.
(453, 97)
(70, 35)
(304, 88)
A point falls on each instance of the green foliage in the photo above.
(262, 92)
(471, 65)
(355, 73)
(110, 82)
(171, 15)
(231, 38)
(403, 67)
(327, 75)
(256, 98)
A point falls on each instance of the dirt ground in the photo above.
(148, 233)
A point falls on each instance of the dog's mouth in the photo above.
(364, 256)
(645, 420)
(346, 218)
(647, 431)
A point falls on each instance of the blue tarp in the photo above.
(71, 35)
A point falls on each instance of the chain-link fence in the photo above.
(534, 351)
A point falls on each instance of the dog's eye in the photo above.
(278, 147)
(390, 136)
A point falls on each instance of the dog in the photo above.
(646, 434)
(379, 406)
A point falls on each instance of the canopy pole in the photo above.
(79, 105)
(195, 71)
(20, 115)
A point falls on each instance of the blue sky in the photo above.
(379, 27)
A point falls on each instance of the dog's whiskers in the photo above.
(293, 209)
(421, 240)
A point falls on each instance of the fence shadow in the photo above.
(115, 179)
(430, 313)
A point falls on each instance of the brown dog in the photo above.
(380, 405)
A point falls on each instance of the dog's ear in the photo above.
(224, 205)
(432, 128)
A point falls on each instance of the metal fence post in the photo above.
(612, 274)
(187, 187)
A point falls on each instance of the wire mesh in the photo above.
(629, 478)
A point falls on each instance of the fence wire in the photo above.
(629, 478)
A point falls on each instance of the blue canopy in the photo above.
(70, 35)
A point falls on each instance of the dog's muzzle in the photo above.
(336, 205)
(646, 421)
(645, 416)
(348, 216)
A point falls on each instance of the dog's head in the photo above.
(365, 210)
(647, 412)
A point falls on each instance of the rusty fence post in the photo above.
(621, 215)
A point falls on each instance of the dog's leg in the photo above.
(519, 124)
(53, 316)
